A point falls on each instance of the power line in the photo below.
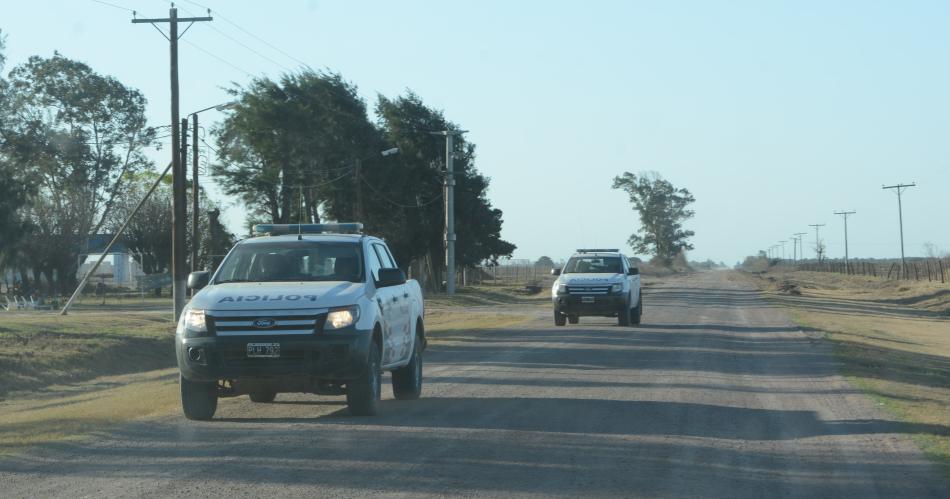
(242, 44)
(113, 5)
(234, 66)
(265, 42)
(400, 205)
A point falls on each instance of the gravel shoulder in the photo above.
(717, 394)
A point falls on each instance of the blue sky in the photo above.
(774, 114)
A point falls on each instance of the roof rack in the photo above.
(280, 229)
(598, 250)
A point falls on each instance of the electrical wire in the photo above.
(247, 32)
(242, 44)
(113, 5)
(234, 66)
(400, 205)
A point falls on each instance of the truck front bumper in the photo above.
(581, 305)
(339, 355)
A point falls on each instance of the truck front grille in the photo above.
(588, 290)
(264, 323)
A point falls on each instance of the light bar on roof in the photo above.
(598, 250)
(277, 229)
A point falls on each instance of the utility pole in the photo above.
(801, 244)
(194, 192)
(178, 171)
(817, 240)
(845, 214)
(449, 208)
(783, 249)
(900, 215)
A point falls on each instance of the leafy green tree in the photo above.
(77, 135)
(14, 189)
(544, 261)
(662, 209)
(286, 142)
(408, 207)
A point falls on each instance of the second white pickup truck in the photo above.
(313, 308)
(598, 282)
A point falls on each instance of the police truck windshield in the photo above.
(594, 265)
(293, 261)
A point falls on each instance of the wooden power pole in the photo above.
(179, 201)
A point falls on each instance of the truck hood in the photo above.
(277, 295)
(589, 279)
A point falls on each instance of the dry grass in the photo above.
(61, 374)
(892, 338)
(66, 412)
(39, 349)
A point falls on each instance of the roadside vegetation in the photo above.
(891, 337)
(63, 377)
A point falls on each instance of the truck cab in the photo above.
(597, 282)
(312, 308)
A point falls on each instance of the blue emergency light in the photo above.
(278, 229)
(598, 250)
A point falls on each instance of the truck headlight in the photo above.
(616, 288)
(195, 322)
(562, 289)
(342, 317)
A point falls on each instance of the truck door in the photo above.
(401, 331)
(388, 310)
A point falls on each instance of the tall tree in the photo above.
(662, 209)
(286, 141)
(76, 134)
(406, 205)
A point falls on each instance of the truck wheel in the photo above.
(573, 319)
(559, 318)
(199, 399)
(407, 380)
(623, 316)
(262, 395)
(637, 312)
(362, 395)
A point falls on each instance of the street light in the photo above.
(194, 173)
(357, 176)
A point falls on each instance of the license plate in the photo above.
(587, 299)
(269, 350)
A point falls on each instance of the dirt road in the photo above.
(715, 395)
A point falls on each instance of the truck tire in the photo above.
(199, 399)
(559, 318)
(362, 394)
(262, 395)
(623, 316)
(637, 312)
(407, 380)
(573, 319)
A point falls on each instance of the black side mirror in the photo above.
(390, 277)
(555, 271)
(199, 279)
(633, 271)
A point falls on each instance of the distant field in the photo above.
(893, 339)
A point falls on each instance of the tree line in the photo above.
(300, 148)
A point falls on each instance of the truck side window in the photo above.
(374, 264)
(383, 255)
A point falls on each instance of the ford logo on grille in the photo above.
(265, 323)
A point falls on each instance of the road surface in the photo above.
(716, 394)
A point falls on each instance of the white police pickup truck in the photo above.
(312, 308)
(597, 282)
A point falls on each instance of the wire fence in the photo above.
(918, 269)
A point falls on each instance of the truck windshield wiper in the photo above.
(223, 281)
